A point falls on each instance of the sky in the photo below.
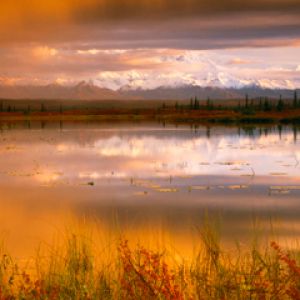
(150, 43)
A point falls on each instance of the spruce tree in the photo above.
(246, 101)
(208, 103)
(295, 102)
(267, 106)
(196, 103)
(191, 103)
(280, 105)
(260, 106)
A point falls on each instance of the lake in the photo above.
(143, 178)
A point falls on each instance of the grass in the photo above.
(171, 115)
(78, 269)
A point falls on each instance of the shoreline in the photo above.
(198, 117)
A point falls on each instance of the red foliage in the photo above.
(292, 281)
(145, 273)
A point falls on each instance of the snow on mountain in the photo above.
(208, 75)
(219, 80)
(218, 85)
(275, 84)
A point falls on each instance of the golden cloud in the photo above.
(32, 11)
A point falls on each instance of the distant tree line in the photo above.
(246, 106)
(7, 106)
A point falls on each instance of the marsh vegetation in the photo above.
(258, 110)
(79, 268)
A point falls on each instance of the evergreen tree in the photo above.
(192, 103)
(196, 103)
(295, 102)
(267, 106)
(260, 105)
(208, 104)
(280, 105)
(246, 101)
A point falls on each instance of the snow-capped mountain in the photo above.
(217, 86)
(209, 74)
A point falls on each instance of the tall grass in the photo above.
(80, 269)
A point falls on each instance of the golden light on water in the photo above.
(154, 188)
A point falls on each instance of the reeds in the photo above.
(77, 270)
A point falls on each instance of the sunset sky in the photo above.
(149, 43)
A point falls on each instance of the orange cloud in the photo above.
(44, 52)
(239, 61)
(31, 11)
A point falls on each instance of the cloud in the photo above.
(70, 40)
(44, 52)
(183, 24)
(207, 68)
(36, 11)
(239, 61)
(151, 68)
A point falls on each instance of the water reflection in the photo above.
(149, 174)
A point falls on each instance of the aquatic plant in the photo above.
(75, 270)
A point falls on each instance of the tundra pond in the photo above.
(147, 179)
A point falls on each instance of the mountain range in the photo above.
(90, 91)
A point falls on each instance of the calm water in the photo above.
(146, 177)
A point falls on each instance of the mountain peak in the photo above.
(216, 89)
